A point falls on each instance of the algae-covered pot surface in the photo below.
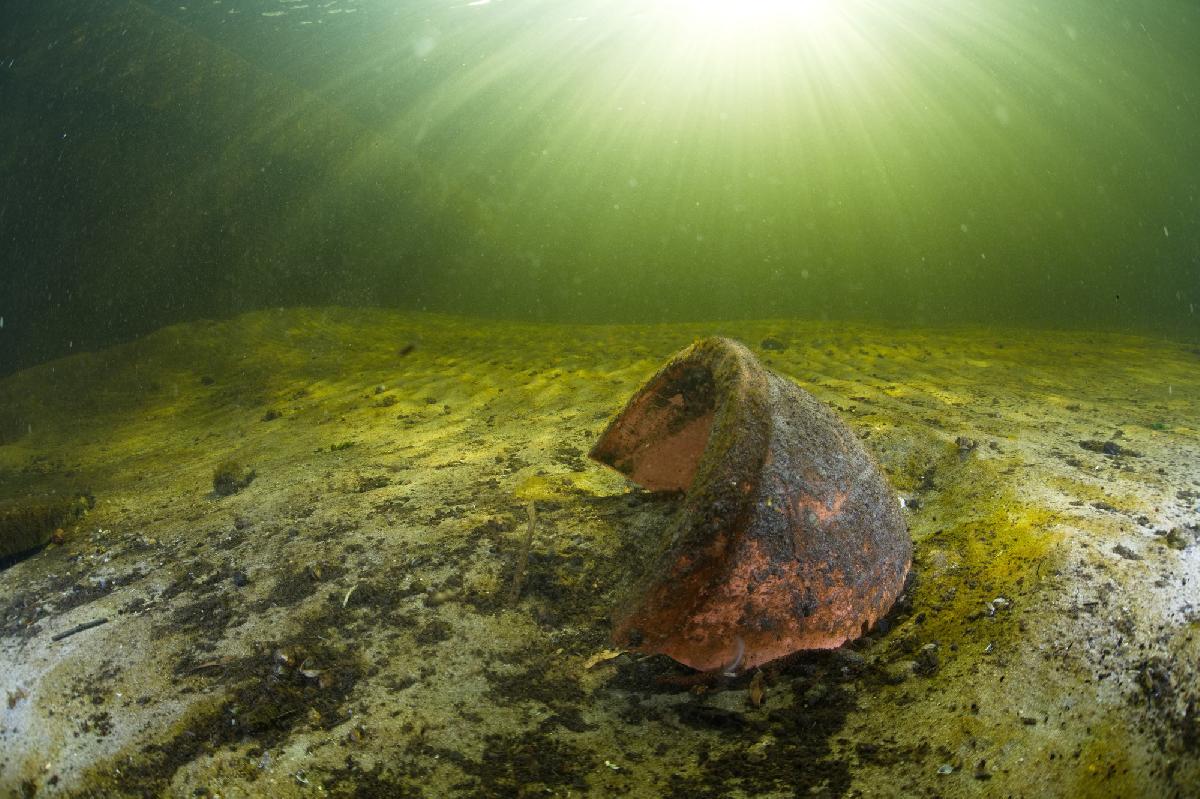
(788, 537)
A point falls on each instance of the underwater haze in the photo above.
(317, 318)
(920, 162)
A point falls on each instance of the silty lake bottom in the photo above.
(302, 526)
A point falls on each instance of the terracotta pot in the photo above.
(788, 536)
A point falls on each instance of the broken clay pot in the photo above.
(788, 537)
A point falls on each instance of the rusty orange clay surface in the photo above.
(788, 536)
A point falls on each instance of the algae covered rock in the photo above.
(26, 525)
(231, 477)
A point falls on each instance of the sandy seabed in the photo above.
(341, 626)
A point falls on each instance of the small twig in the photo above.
(285, 714)
(78, 628)
(518, 578)
(212, 664)
(346, 598)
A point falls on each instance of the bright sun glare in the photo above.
(735, 32)
(740, 17)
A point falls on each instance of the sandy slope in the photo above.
(341, 624)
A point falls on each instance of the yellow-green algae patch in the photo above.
(1092, 491)
(978, 542)
(1106, 767)
(984, 561)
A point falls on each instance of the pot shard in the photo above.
(788, 536)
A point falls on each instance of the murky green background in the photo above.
(919, 162)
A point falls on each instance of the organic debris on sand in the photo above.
(341, 623)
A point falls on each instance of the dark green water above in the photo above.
(920, 162)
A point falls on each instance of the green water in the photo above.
(920, 162)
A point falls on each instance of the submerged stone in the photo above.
(27, 526)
